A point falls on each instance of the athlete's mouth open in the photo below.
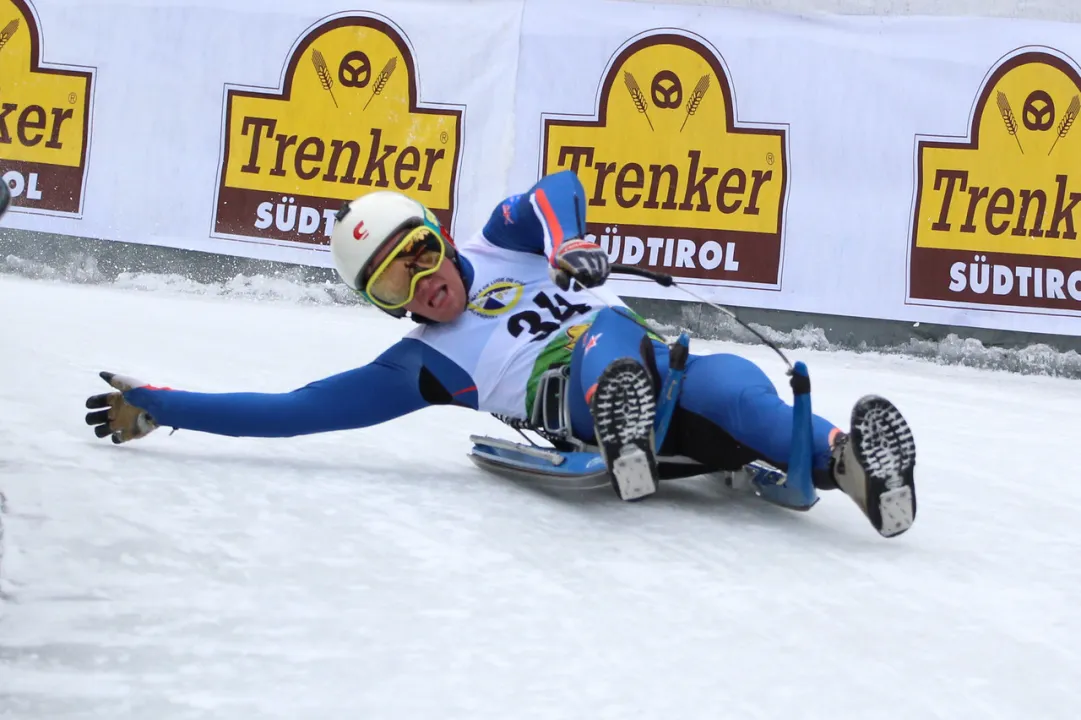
(439, 298)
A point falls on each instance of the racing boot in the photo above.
(874, 462)
(624, 406)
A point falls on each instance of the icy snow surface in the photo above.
(378, 574)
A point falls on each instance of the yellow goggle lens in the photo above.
(417, 255)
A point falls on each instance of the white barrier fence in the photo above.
(920, 169)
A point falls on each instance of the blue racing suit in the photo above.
(728, 413)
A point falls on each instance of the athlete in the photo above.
(494, 314)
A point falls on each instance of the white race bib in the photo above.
(518, 323)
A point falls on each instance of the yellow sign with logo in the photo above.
(347, 121)
(672, 180)
(44, 119)
(997, 214)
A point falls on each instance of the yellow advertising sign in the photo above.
(347, 122)
(672, 180)
(996, 214)
(44, 118)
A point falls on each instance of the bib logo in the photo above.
(996, 215)
(573, 333)
(496, 298)
(347, 121)
(672, 181)
(44, 119)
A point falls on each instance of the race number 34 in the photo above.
(535, 324)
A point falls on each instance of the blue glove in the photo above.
(580, 260)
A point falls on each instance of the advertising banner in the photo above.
(45, 116)
(899, 168)
(673, 182)
(347, 120)
(996, 213)
(241, 127)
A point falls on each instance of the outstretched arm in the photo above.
(407, 377)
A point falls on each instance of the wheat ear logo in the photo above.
(695, 100)
(323, 73)
(637, 97)
(382, 80)
(334, 130)
(1008, 118)
(8, 32)
(996, 214)
(44, 119)
(674, 181)
(1067, 121)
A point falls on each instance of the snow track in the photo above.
(378, 574)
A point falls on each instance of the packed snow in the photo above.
(378, 574)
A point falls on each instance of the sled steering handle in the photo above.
(666, 280)
(658, 277)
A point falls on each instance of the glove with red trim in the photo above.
(584, 262)
(119, 418)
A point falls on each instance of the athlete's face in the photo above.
(440, 296)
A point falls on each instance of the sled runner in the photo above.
(568, 463)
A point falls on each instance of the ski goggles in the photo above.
(393, 283)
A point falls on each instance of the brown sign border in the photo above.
(1017, 57)
(682, 38)
(321, 27)
(87, 73)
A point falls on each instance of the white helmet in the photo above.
(363, 225)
